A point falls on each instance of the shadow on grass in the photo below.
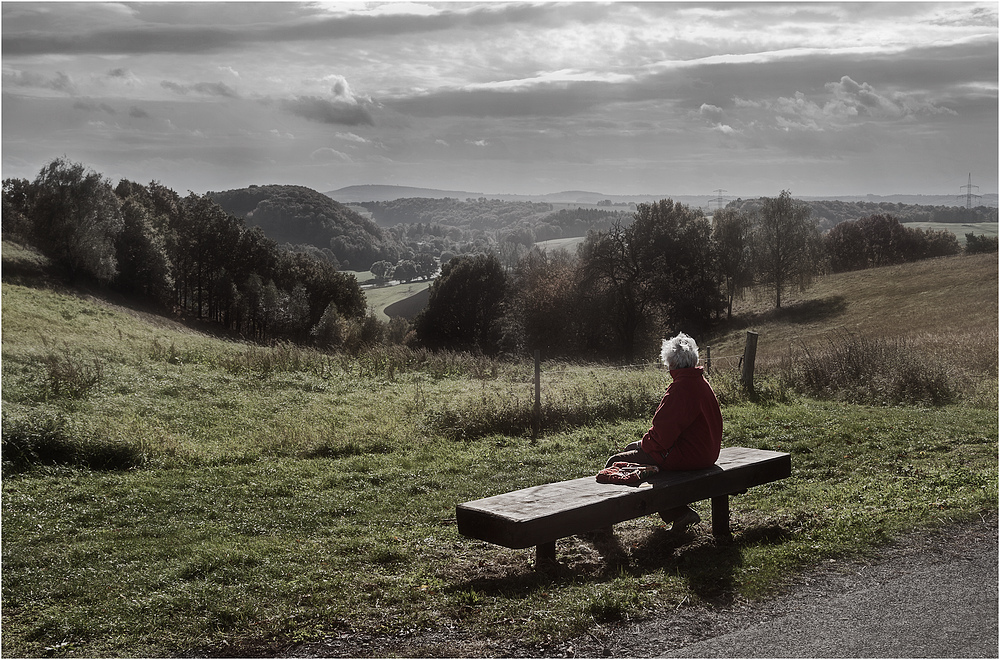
(809, 311)
(709, 566)
(806, 311)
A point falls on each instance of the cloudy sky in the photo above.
(618, 98)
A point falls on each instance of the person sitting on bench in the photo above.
(686, 433)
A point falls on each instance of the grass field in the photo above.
(381, 297)
(960, 230)
(569, 244)
(169, 493)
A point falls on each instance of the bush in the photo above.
(871, 370)
(52, 440)
(70, 376)
(981, 244)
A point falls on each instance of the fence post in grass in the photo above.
(708, 361)
(537, 412)
(749, 355)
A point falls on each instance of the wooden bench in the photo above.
(540, 515)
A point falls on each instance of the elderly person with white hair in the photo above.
(687, 427)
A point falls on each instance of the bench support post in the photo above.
(545, 555)
(720, 518)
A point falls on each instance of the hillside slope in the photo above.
(300, 215)
(947, 307)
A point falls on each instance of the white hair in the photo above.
(681, 352)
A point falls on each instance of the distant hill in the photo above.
(385, 193)
(375, 193)
(298, 215)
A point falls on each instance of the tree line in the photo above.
(671, 269)
(185, 254)
(300, 216)
(830, 213)
(666, 268)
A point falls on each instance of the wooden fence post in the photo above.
(537, 413)
(708, 361)
(749, 355)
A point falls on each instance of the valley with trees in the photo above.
(275, 263)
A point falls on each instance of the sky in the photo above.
(517, 98)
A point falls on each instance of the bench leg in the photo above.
(720, 518)
(545, 555)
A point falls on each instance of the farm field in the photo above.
(168, 493)
(379, 298)
(960, 230)
(569, 244)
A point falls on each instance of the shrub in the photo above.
(980, 244)
(70, 376)
(52, 440)
(871, 370)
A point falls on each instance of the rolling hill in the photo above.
(945, 308)
(301, 216)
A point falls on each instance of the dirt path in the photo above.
(933, 594)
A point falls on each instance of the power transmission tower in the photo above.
(968, 193)
(719, 201)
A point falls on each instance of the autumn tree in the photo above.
(405, 271)
(382, 270)
(76, 219)
(731, 236)
(785, 243)
(544, 299)
(143, 264)
(653, 274)
(17, 214)
(465, 305)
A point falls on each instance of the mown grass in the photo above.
(194, 496)
(381, 297)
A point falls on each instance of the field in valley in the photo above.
(167, 492)
(380, 298)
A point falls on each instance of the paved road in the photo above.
(938, 601)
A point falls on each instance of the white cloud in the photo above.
(713, 113)
(352, 137)
(328, 154)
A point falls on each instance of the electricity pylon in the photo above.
(718, 200)
(968, 193)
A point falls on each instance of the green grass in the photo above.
(569, 244)
(381, 297)
(190, 496)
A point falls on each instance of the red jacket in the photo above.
(687, 426)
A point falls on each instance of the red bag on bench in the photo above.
(626, 473)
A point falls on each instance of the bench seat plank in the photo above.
(542, 514)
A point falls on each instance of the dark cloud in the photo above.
(326, 111)
(202, 88)
(92, 107)
(200, 38)
(137, 113)
(59, 82)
